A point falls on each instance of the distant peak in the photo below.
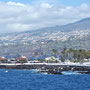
(85, 19)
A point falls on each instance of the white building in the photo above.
(52, 59)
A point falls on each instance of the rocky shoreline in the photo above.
(50, 69)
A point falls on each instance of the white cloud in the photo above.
(84, 6)
(46, 5)
(15, 4)
(21, 17)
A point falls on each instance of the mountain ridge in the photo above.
(80, 25)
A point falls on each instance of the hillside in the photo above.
(74, 35)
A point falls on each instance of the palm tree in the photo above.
(64, 53)
(55, 52)
(62, 59)
(36, 54)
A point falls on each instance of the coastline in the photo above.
(53, 68)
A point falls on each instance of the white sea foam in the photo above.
(68, 72)
(6, 71)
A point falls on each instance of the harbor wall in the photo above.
(48, 67)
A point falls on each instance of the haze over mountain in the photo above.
(83, 24)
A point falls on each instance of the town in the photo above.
(49, 60)
(32, 37)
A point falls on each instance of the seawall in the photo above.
(47, 67)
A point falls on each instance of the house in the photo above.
(52, 59)
(22, 59)
(3, 60)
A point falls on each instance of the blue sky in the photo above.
(65, 2)
(23, 15)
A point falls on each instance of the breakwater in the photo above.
(48, 67)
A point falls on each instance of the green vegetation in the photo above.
(36, 53)
(50, 48)
(75, 55)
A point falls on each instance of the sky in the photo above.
(23, 15)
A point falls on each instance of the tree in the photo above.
(64, 53)
(55, 52)
(62, 59)
(36, 54)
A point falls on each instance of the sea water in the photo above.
(29, 80)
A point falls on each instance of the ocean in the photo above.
(30, 80)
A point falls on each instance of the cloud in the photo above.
(46, 5)
(46, 1)
(21, 17)
(15, 4)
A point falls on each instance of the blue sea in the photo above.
(29, 80)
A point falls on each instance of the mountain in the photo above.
(74, 35)
(83, 24)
